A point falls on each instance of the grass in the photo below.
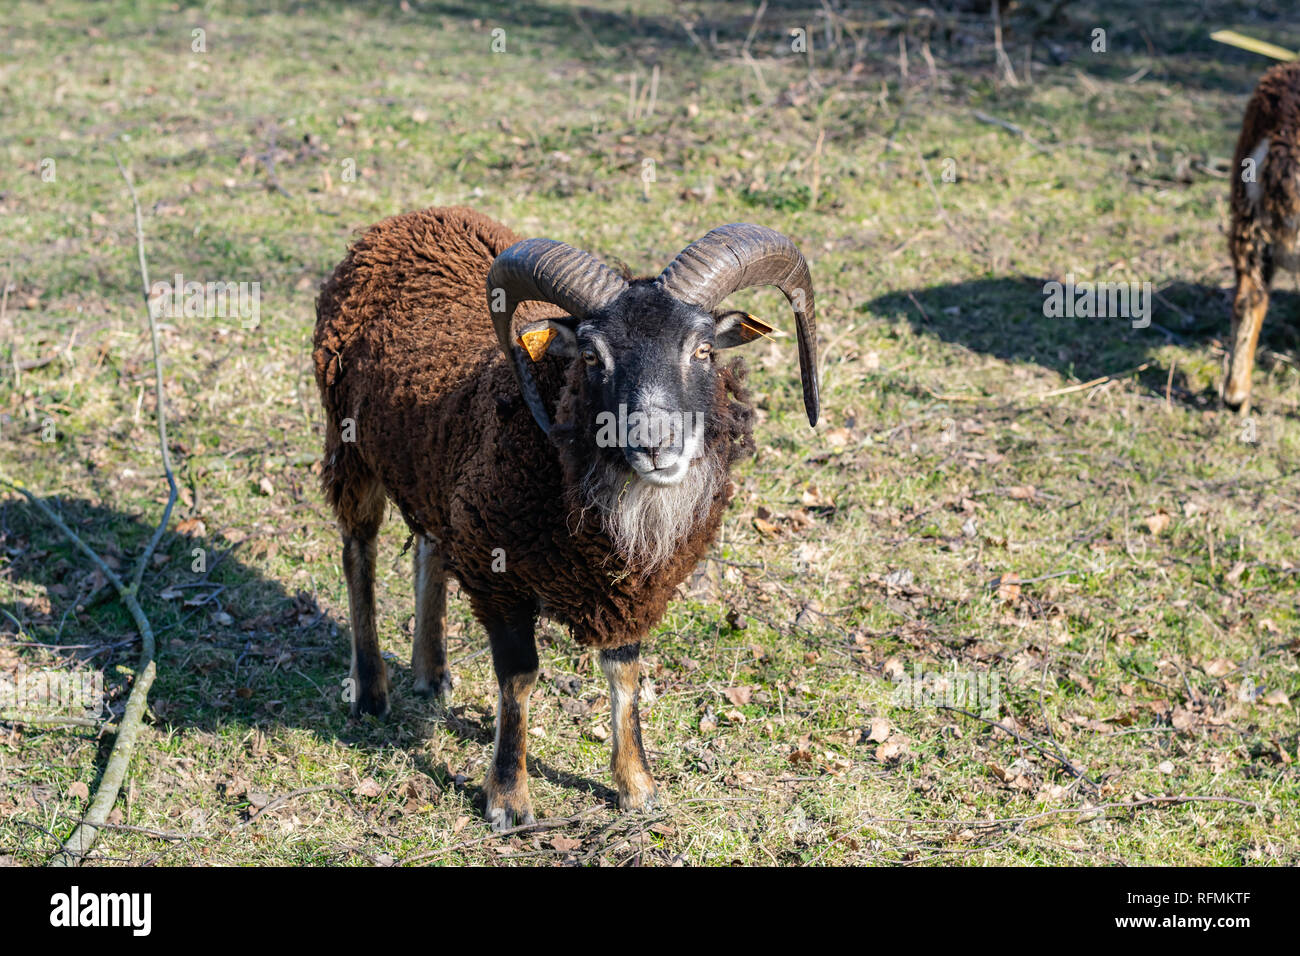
(1120, 558)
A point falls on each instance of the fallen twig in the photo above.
(526, 828)
(1010, 128)
(1055, 754)
(83, 837)
(1086, 385)
(35, 720)
(285, 798)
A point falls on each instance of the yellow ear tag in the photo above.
(756, 326)
(537, 341)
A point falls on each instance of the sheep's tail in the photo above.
(347, 482)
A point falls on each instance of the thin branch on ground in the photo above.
(1029, 742)
(82, 840)
(526, 828)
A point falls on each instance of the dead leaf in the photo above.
(79, 791)
(1219, 667)
(879, 730)
(192, 526)
(892, 749)
(1158, 522)
(740, 696)
(838, 437)
(1009, 587)
(813, 498)
(901, 578)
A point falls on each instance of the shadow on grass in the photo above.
(1003, 317)
(235, 648)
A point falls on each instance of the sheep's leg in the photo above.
(361, 509)
(369, 675)
(636, 788)
(1254, 275)
(514, 655)
(429, 650)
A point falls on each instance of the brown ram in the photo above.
(584, 481)
(1265, 231)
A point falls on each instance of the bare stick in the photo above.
(1003, 60)
(816, 169)
(526, 828)
(1030, 742)
(753, 27)
(285, 798)
(36, 720)
(129, 729)
(28, 365)
(83, 838)
(1010, 128)
(1084, 385)
(143, 561)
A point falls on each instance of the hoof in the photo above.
(373, 703)
(1238, 402)
(641, 799)
(436, 689)
(509, 814)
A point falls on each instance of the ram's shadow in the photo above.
(235, 648)
(1004, 317)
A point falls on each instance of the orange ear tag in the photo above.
(757, 326)
(537, 341)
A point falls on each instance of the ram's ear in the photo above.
(732, 328)
(555, 336)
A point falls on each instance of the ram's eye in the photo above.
(703, 351)
(590, 357)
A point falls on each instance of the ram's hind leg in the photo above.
(429, 650)
(514, 655)
(636, 788)
(1254, 275)
(361, 510)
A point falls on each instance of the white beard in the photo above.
(646, 522)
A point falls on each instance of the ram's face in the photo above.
(650, 375)
(650, 378)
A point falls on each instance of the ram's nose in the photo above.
(656, 449)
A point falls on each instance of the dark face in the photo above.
(650, 375)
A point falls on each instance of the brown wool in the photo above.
(404, 347)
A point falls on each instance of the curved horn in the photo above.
(740, 256)
(544, 270)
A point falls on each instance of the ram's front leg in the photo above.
(636, 788)
(514, 655)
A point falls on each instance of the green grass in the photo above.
(1155, 663)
